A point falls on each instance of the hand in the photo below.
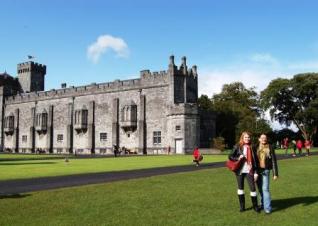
(241, 156)
(255, 177)
(275, 177)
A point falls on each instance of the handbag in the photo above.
(233, 165)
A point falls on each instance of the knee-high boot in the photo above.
(242, 202)
(254, 202)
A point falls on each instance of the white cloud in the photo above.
(256, 70)
(104, 43)
(264, 58)
(305, 66)
(211, 81)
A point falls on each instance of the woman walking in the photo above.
(266, 161)
(243, 151)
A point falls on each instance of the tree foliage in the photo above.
(237, 110)
(294, 101)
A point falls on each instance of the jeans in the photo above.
(263, 188)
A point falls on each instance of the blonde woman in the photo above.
(248, 170)
(266, 161)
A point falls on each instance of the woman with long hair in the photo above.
(266, 161)
(243, 151)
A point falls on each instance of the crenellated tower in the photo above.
(31, 76)
(183, 82)
(183, 119)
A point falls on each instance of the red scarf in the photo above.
(249, 156)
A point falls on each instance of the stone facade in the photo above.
(154, 114)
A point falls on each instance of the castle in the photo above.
(154, 114)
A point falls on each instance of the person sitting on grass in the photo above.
(197, 157)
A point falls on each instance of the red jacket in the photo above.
(299, 144)
(196, 153)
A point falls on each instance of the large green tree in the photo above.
(294, 101)
(237, 109)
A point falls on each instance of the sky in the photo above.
(82, 42)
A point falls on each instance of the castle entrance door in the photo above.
(179, 147)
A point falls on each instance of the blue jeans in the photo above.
(263, 188)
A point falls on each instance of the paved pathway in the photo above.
(37, 184)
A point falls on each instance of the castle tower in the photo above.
(183, 118)
(183, 82)
(31, 76)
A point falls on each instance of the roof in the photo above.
(5, 75)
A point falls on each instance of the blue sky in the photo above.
(252, 41)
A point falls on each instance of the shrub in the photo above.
(218, 143)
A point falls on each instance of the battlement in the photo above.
(146, 74)
(184, 82)
(94, 88)
(31, 67)
(183, 68)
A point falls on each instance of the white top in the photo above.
(246, 168)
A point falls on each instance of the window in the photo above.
(41, 121)
(103, 136)
(157, 137)
(24, 138)
(129, 117)
(178, 128)
(81, 119)
(59, 150)
(59, 137)
(79, 151)
(9, 124)
(102, 150)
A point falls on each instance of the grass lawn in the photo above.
(6, 156)
(206, 197)
(18, 169)
(291, 151)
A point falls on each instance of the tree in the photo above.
(238, 110)
(294, 101)
(205, 103)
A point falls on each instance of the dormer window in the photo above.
(41, 122)
(9, 124)
(129, 117)
(81, 118)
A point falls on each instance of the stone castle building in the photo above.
(156, 113)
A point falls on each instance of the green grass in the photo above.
(291, 151)
(56, 167)
(206, 197)
(6, 156)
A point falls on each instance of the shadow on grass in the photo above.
(25, 163)
(280, 204)
(14, 196)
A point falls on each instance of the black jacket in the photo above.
(237, 151)
(270, 161)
